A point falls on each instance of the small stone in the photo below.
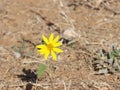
(18, 88)
(17, 54)
(69, 34)
(103, 71)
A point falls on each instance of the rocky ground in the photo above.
(88, 29)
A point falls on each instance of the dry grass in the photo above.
(91, 25)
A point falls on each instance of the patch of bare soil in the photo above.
(85, 27)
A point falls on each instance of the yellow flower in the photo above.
(50, 47)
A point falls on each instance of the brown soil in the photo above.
(22, 22)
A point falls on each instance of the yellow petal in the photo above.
(54, 55)
(41, 52)
(56, 39)
(57, 50)
(40, 46)
(51, 37)
(45, 39)
(46, 55)
(57, 44)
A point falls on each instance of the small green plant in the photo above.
(108, 62)
(21, 50)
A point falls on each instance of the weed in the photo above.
(109, 62)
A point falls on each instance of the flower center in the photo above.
(50, 46)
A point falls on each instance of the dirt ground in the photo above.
(85, 27)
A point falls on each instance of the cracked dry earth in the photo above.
(85, 26)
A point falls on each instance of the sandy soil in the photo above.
(85, 27)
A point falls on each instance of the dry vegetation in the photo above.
(86, 27)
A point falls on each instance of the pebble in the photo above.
(70, 34)
(17, 54)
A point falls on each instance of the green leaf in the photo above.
(23, 46)
(41, 69)
(119, 62)
(111, 55)
(118, 52)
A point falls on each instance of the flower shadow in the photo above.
(28, 76)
